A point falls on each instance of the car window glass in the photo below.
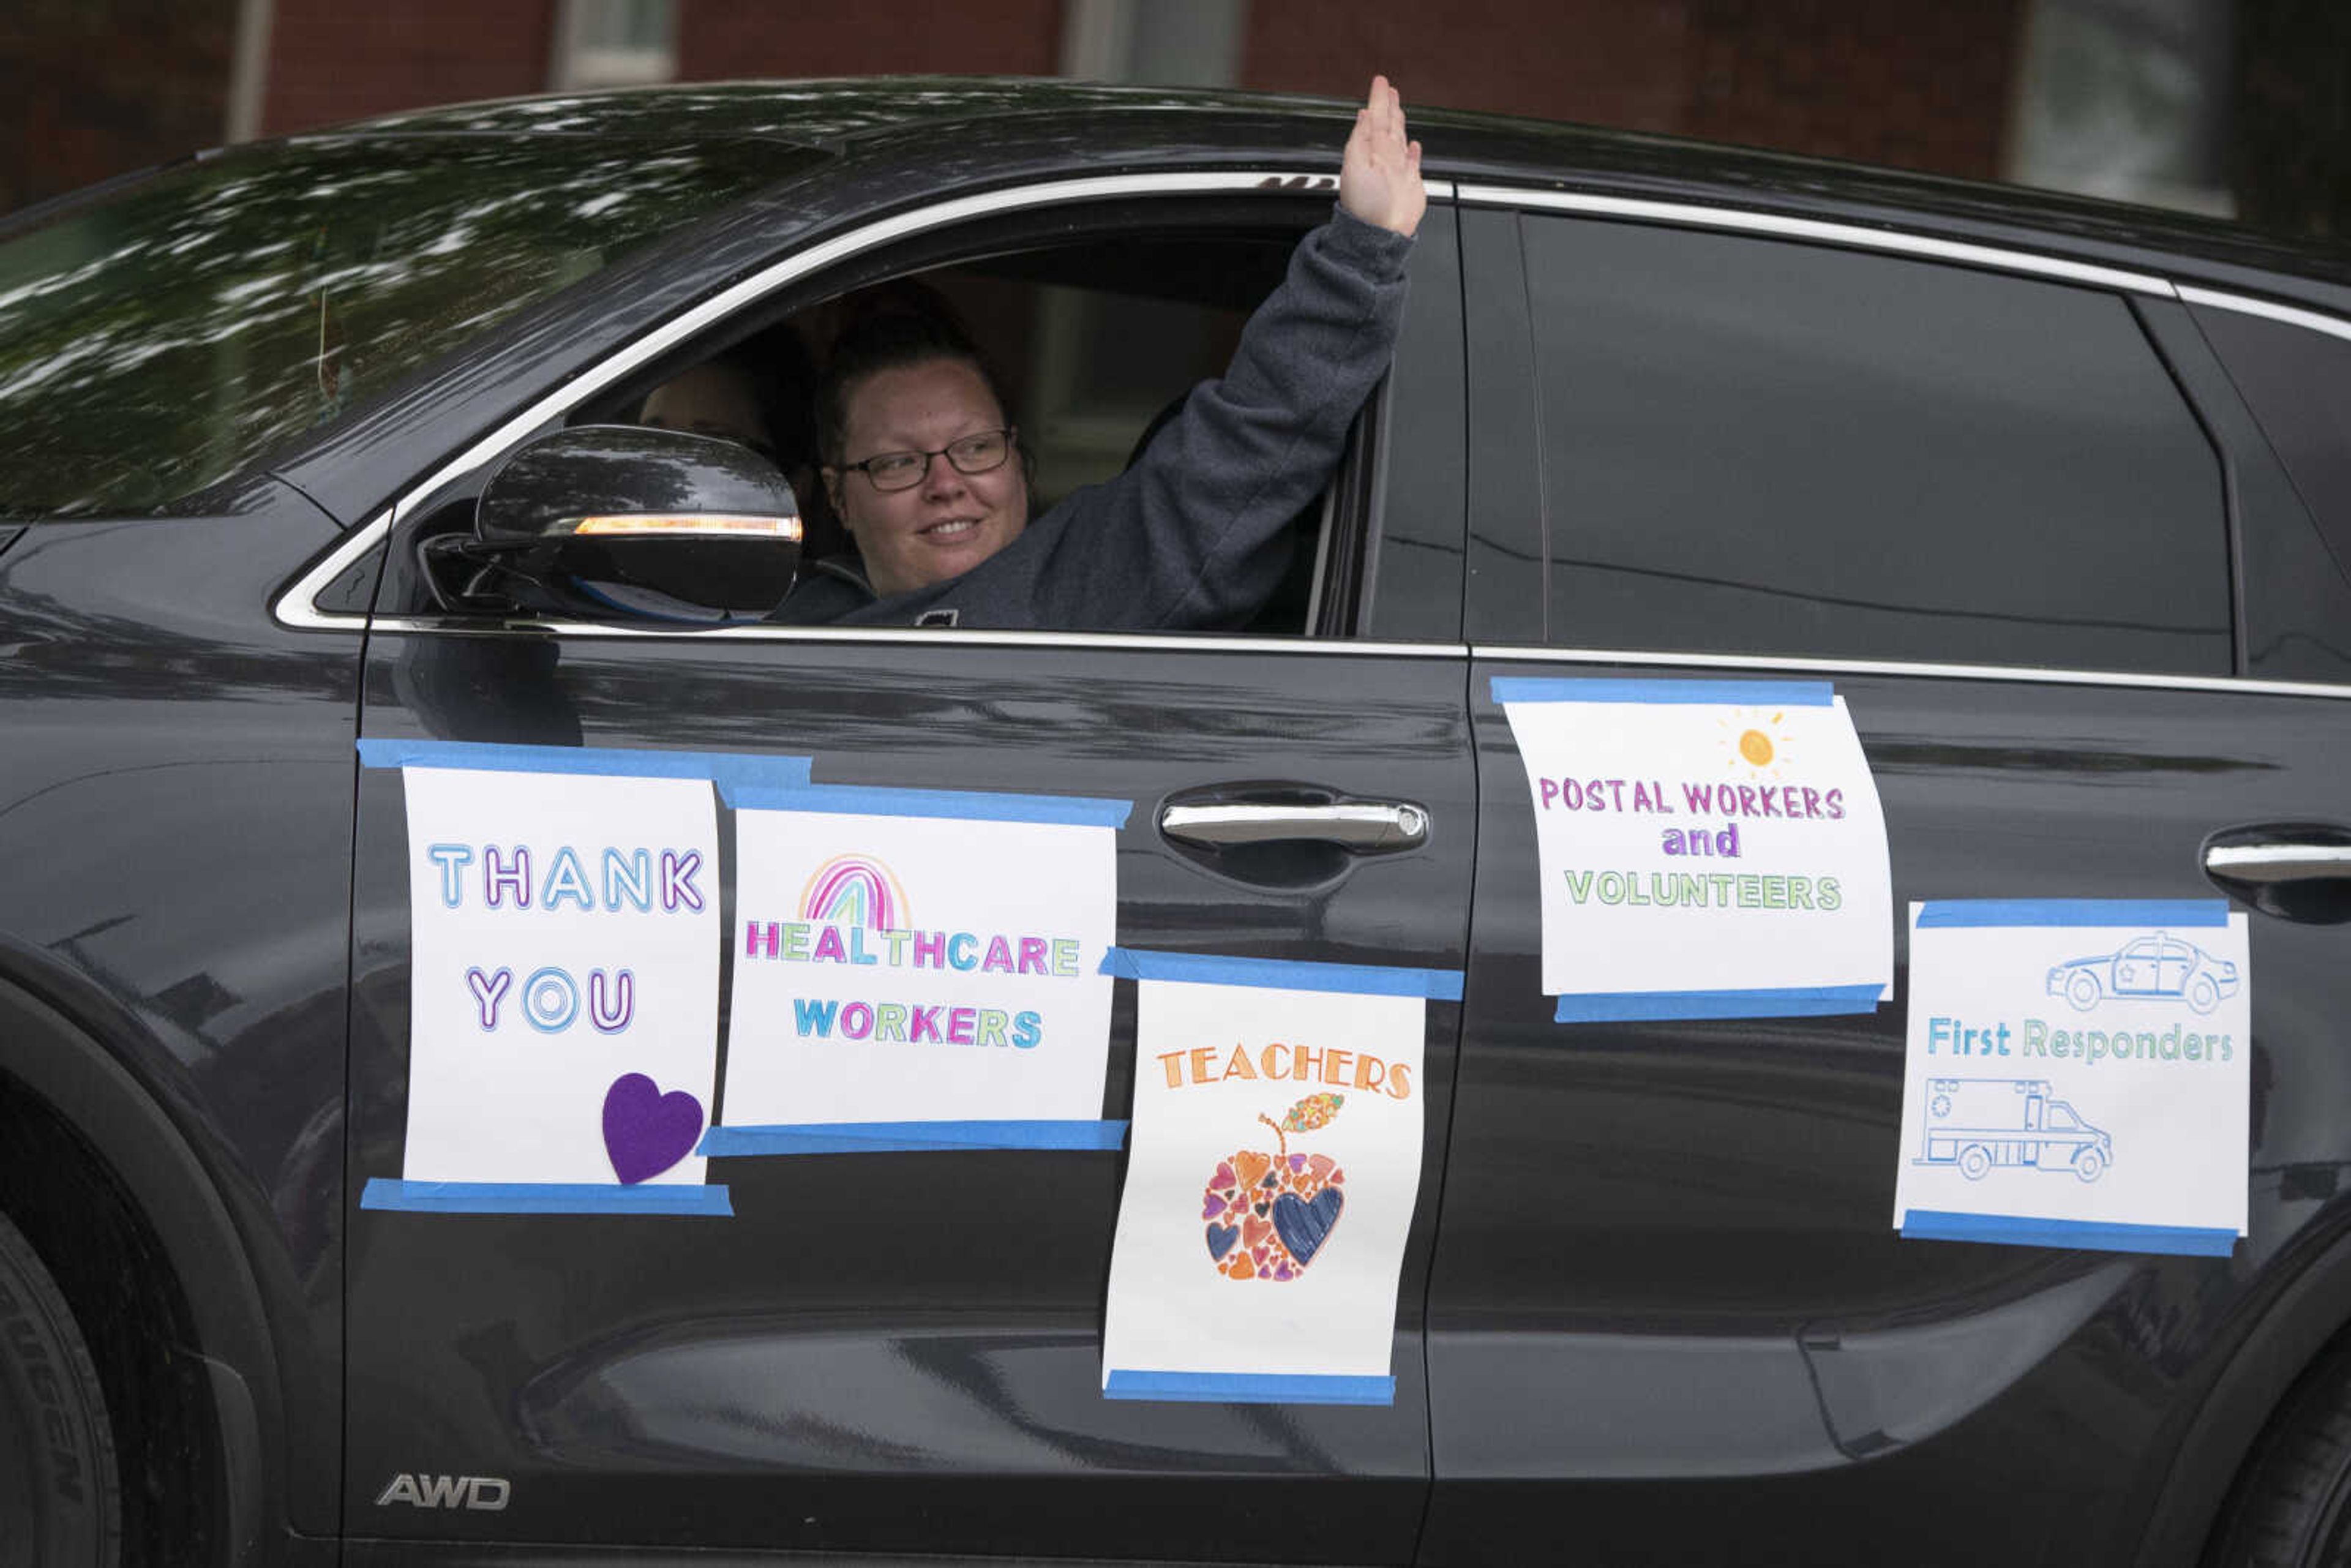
(1095, 343)
(1754, 446)
(2298, 382)
(159, 340)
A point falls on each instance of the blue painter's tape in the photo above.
(2167, 911)
(971, 805)
(1249, 1389)
(2191, 1241)
(1282, 974)
(542, 1197)
(881, 1137)
(1740, 694)
(736, 769)
(1798, 1001)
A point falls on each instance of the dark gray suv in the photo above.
(2057, 493)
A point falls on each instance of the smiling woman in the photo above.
(1195, 533)
(158, 339)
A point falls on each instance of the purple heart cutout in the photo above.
(646, 1130)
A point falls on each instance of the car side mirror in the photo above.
(621, 515)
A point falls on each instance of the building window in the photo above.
(614, 43)
(2127, 99)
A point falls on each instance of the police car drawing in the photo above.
(2156, 968)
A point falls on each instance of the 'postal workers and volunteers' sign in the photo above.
(1270, 1179)
(919, 969)
(2077, 1074)
(1707, 849)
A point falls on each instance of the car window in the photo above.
(1095, 342)
(155, 341)
(2298, 382)
(1750, 445)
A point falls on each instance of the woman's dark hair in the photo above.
(910, 325)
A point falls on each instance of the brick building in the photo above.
(2204, 104)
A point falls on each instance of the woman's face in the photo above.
(949, 521)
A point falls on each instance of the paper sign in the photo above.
(2077, 1075)
(1707, 849)
(563, 978)
(1270, 1179)
(919, 969)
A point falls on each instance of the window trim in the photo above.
(296, 606)
(2025, 674)
(1998, 258)
(1687, 215)
(2292, 315)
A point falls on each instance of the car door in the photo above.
(901, 1351)
(1670, 1320)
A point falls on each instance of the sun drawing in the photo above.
(1759, 744)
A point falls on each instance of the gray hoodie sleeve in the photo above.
(1195, 534)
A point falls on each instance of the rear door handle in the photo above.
(2295, 871)
(1366, 827)
(2289, 860)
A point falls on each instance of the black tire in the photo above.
(59, 1507)
(2292, 1504)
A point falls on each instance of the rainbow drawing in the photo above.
(855, 889)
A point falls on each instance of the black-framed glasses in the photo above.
(975, 454)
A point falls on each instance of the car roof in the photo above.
(1033, 118)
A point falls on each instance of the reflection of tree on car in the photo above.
(2158, 966)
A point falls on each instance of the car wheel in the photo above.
(2081, 990)
(2202, 994)
(59, 1503)
(2293, 1503)
(1975, 1160)
(2089, 1165)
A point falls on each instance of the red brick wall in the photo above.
(91, 89)
(1921, 87)
(869, 37)
(1608, 62)
(1917, 87)
(332, 61)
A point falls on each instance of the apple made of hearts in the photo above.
(1269, 1214)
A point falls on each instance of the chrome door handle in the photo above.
(2294, 871)
(1366, 827)
(2278, 860)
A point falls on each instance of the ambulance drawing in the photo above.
(1976, 1123)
